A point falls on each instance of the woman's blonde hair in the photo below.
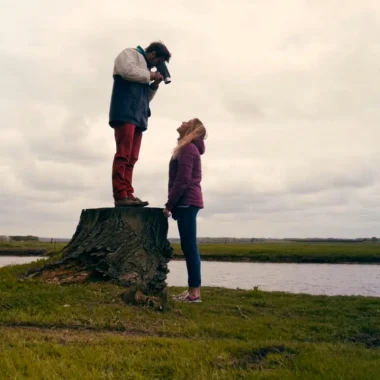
(196, 131)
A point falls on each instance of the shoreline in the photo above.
(297, 253)
(281, 260)
(23, 252)
(228, 258)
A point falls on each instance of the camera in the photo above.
(163, 70)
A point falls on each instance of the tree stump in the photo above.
(126, 246)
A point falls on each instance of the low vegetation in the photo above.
(291, 252)
(29, 248)
(260, 252)
(86, 332)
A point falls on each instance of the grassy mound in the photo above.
(85, 331)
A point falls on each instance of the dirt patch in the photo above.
(369, 340)
(76, 330)
(136, 297)
(65, 276)
(264, 357)
(67, 335)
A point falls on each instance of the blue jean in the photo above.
(187, 227)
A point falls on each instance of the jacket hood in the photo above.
(200, 144)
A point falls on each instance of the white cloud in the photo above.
(287, 90)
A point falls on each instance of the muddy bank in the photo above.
(287, 258)
(23, 251)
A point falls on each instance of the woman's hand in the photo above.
(166, 212)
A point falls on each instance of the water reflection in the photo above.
(328, 279)
(13, 260)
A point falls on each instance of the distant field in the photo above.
(291, 252)
(266, 252)
(29, 248)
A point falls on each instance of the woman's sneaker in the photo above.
(182, 296)
(191, 299)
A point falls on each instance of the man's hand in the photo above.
(159, 78)
(156, 76)
(166, 212)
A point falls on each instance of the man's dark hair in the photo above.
(160, 49)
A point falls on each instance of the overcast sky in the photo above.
(289, 91)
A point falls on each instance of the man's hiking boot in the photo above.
(130, 202)
(142, 203)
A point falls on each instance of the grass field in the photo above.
(29, 248)
(291, 252)
(86, 332)
(266, 252)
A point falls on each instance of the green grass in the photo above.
(86, 332)
(291, 252)
(29, 248)
(36, 355)
(266, 252)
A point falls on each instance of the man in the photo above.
(134, 86)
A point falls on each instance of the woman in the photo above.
(185, 199)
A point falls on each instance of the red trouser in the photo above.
(128, 142)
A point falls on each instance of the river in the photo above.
(317, 279)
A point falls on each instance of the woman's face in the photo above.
(184, 127)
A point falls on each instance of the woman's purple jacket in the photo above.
(185, 176)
